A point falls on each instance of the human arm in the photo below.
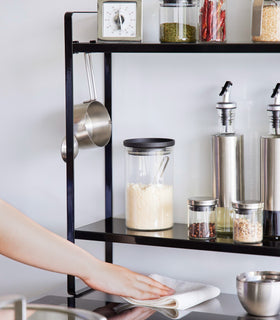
(26, 241)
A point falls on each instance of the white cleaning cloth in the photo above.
(187, 294)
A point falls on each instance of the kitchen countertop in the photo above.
(227, 305)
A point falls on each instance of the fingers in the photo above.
(154, 283)
(156, 286)
(145, 289)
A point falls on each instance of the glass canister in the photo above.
(178, 20)
(202, 217)
(149, 183)
(212, 21)
(248, 221)
(266, 21)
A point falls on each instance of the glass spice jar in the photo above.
(202, 218)
(266, 21)
(248, 221)
(212, 21)
(178, 20)
(149, 183)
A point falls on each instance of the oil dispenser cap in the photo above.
(248, 204)
(226, 104)
(275, 94)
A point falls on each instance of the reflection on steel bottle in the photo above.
(270, 170)
(228, 164)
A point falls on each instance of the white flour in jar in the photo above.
(149, 207)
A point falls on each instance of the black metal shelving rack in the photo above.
(112, 230)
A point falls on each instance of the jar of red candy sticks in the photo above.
(212, 20)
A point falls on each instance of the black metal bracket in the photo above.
(69, 103)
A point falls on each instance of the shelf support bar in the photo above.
(108, 156)
(69, 138)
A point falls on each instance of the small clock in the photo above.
(120, 20)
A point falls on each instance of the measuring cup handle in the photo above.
(90, 76)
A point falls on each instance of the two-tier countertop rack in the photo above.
(110, 229)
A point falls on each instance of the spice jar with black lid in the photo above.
(248, 221)
(212, 21)
(202, 218)
(178, 20)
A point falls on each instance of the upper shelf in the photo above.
(114, 230)
(176, 47)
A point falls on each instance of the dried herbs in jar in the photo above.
(177, 32)
(178, 20)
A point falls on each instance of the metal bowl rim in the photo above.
(244, 277)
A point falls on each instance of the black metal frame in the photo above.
(70, 147)
(112, 230)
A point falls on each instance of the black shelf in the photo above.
(114, 230)
(176, 47)
(111, 229)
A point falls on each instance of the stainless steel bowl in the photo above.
(259, 292)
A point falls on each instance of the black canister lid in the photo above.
(179, 2)
(149, 143)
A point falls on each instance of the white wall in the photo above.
(153, 95)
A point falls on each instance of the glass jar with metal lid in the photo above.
(149, 183)
(248, 221)
(178, 20)
(266, 21)
(202, 217)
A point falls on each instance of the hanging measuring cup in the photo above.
(92, 122)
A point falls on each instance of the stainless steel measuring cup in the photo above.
(92, 122)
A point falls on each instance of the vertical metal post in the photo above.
(69, 138)
(108, 156)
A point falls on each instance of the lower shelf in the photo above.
(114, 230)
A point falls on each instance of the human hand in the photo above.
(117, 280)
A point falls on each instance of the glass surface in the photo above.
(50, 312)
(202, 222)
(212, 21)
(178, 21)
(49, 315)
(149, 189)
(248, 225)
(270, 22)
(226, 120)
(224, 220)
(178, 238)
(274, 121)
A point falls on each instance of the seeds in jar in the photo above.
(202, 230)
(270, 29)
(247, 231)
(177, 32)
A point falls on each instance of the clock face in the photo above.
(119, 19)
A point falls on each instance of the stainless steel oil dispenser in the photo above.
(228, 164)
(270, 170)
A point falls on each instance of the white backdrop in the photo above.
(153, 95)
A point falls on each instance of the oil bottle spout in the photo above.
(225, 93)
